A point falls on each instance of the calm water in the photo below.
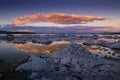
(12, 52)
(9, 53)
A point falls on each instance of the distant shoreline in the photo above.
(10, 32)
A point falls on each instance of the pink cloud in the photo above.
(56, 18)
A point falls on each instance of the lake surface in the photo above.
(10, 52)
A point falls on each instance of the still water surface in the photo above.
(10, 52)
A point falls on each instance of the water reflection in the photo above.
(109, 40)
(11, 51)
(10, 54)
(93, 49)
(103, 51)
(31, 48)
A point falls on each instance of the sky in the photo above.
(11, 10)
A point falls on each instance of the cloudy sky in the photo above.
(60, 12)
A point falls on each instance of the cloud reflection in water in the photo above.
(38, 48)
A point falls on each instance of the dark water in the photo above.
(10, 54)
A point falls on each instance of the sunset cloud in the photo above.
(56, 18)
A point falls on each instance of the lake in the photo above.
(10, 51)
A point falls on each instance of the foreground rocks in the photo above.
(33, 64)
(7, 70)
(115, 45)
(6, 67)
(89, 42)
(72, 63)
(103, 43)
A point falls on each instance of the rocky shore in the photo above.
(75, 62)
(7, 70)
(71, 63)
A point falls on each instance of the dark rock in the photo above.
(1, 61)
(6, 67)
(95, 36)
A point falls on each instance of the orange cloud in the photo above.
(55, 18)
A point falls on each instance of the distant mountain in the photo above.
(10, 32)
(73, 29)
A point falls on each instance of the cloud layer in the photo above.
(56, 18)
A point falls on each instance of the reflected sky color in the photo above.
(38, 48)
